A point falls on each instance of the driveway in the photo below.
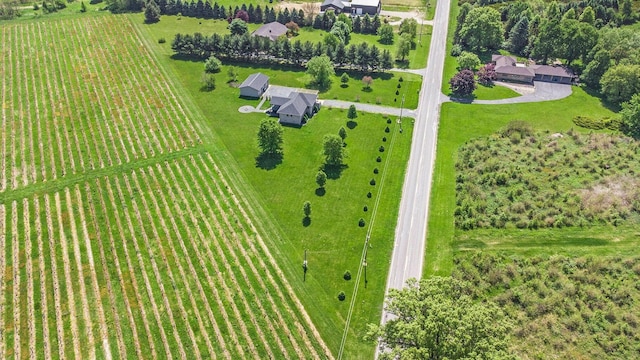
(542, 91)
(404, 15)
(378, 109)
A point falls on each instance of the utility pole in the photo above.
(304, 266)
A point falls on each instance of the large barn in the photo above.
(353, 7)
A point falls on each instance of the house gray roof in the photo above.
(335, 3)
(295, 106)
(309, 98)
(272, 30)
(502, 60)
(255, 81)
(551, 70)
(515, 70)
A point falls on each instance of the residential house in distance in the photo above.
(293, 106)
(254, 86)
(353, 7)
(507, 69)
(272, 30)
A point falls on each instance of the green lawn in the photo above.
(458, 124)
(334, 240)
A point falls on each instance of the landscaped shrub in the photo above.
(384, 139)
(375, 171)
(347, 275)
(361, 222)
(365, 208)
(597, 124)
(387, 129)
(381, 148)
(162, 40)
(400, 79)
(342, 296)
(369, 194)
(388, 121)
(372, 182)
(397, 92)
(378, 159)
(399, 86)
(212, 65)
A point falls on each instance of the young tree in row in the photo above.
(409, 26)
(403, 47)
(333, 150)
(452, 324)
(463, 83)
(352, 113)
(321, 179)
(342, 133)
(270, 137)
(321, 70)
(367, 81)
(212, 65)
(344, 79)
(306, 209)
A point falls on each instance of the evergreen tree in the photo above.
(317, 22)
(207, 13)
(259, 16)
(386, 61)
(216, 10)
(519, 36)
(357, 25)
(375, 24)
(366, 24)
(151, 12)
(251, 11)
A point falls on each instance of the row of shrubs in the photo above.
(598, 124)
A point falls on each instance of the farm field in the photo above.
(121, 235)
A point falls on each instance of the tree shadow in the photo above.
(351, 124)
(333, 171)
(344, 86)
(306, 221)
(367, 89)
(268, 161)
(321, 191)
(603, 101)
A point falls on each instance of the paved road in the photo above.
(410, 237)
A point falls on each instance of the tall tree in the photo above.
(403, 47)
(151, 12)
(621, 82)
(437, 319)
(321, 70)
(462, 17)
(630, 115)
(270, 137)
(519, 36)
(385, 33)
(386, 61)
(482, 29)
(588, 16)
(333, 150)
(409, 26)
(596, 68)
(468, 60)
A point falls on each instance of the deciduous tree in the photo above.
(482, 29)
(321, 69)
(270, 137)
(463, 83)
(630, 115)
(238, 27)
(468, 60)
(212, 65)
(621, 82)
(321, 178)
(403, 47)
(333, 150)
(436, 319)
(385, 33)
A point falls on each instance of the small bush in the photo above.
(456, 50)
(372, 182)
(400, 79)
(378, 100)
(397, 92)
(162, 40)
(36, 7)
(369, 195)
(378, 159)
(212, 65)
(365, 208)
(361, 222)
(387, 129)
(347, 275)
(388, 121)
(375, 171)
(399, 86)
(384, 139)
(342, 296)
(381, 148)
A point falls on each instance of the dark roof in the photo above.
(272, 30)
(502, 60)
(335, 3)
(551, 70)
(295, 106)
(309, 98)
(255, 81)
(515, 70)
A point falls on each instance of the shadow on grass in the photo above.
(333, 171)
(344, 86)
(606, 103)
(351, 124)
(468, 99)
(268, 161)
(306, 221)
(367, 89)
(321, 191)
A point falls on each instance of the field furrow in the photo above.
(12, 169)
(66, 265)
(39, 115)
(15, 266)
(80, 276)
(57, 296)
(32, 113)
(4, 106)
(132, 273)
(252, 293)
(44, 301)
(120, 280)
(23, 110)
(3, 265)
(31, 317)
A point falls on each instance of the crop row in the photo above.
(79, 95)
(160, 262)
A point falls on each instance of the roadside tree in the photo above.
(403, 47)
(468, 61)
(463, 83)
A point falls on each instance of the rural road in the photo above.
(410, 237)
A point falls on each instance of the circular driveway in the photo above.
(542, 91)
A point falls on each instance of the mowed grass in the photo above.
(333, 240)
(458, 124)
(121, 236)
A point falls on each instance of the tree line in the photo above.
(256, 49)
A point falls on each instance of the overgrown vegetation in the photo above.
(584, 307)
(518, 178)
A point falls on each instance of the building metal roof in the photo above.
(295, 106)
(373, 3)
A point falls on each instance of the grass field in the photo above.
(122, 236)
(333, 239)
